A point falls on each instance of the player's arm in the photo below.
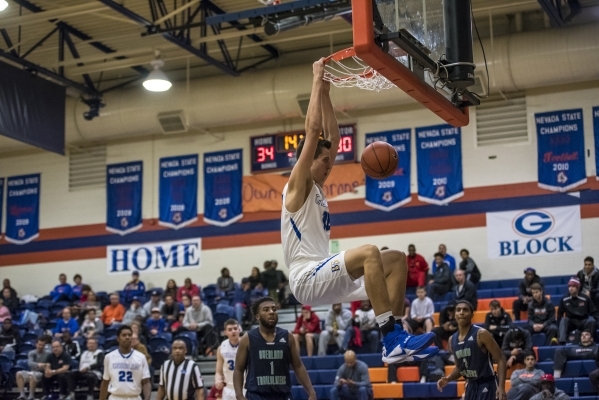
(241, 360)
(330, 127)
(146, 388)
(300, 370)
(485, 339)
(454, 375)
(219, 376)
(160, 394)
(104, 389)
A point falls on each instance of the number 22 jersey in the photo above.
(125, 372)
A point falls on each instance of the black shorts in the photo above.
(481, 389)
(268, 396)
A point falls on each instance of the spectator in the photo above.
(281, 279)
(170, 309)
(447, 258)
(421, 312)
(90, 368)
(525, 296)
(516, 344)
(154, 302)
(91, 326)
(134, 288)
(4, 311)
(541, 315)
(77, 288)
(497, 322)
(589, 280)
(66, 323)
(307, 329)
(6, 285)
(198, 318)
(575, 311)
(11, 302)
(594, 376)
(62, 291)
(135, 309)
(469, 267)
(155, 323)
(464, 289)
(71, 347)
(92, 303)
(189, 289)
(548, 390)
(225, 282)
(114, 312)
(270, 279)
(141, 330)
(137, 345)
(177, 326)
(242, 301)
(352, 381)
(255, 279)
(365, 329)
(526, 382)
(338, 320)
(57, 366)
(441, 282)
(417, 268)
(447, 324)
(586, 350)
(10, 337)
(36, 361)
(171, 289)
(185, 302)
(85, 291)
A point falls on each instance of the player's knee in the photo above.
(371, 252)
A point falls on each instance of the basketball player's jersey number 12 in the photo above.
(125, 376)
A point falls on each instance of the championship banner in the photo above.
(178, 191)
(154, 257)
(22, 208)
(393, 192)
(596, 131)
(538, 232)
(560, 143)
(223, 177)
(123, 197)
(439, 162)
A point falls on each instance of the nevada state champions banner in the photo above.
(596, 135)
(560, 144)
(223, 177)
(178, 191)
(439, 162)
(123, 197)
(22, 208)
(390, 193)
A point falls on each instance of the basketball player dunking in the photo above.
(317, 277)
(225, 360)
(264, 356)
(473, 347)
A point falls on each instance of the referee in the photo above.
(180, 379)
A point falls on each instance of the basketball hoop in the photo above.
(345, 69)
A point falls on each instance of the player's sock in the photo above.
(386, 322)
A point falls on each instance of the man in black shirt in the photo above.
(589, 280)
(525, 296)
(447, 324)
(441, 281)
(58, 363)
(464, 289)
(575, 311)
(586, 350)
(497, 322)
(516, 344)
(541, 315)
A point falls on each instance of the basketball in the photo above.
(379, 160)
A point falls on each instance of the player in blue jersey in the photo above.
(473, 347)
(317, 277)
(264, 356)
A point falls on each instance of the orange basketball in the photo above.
(379, 160)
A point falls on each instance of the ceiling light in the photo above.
(157, 81)
(3, 5)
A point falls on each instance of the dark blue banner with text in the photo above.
(123, 197)
(223, 178)
(178, 193)
(22, 208)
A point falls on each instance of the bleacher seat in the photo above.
(157, 343)
(158, 358)
(24, 364)
(539, 339)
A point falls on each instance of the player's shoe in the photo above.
(399, 343)
(422, 355)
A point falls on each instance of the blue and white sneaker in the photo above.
(423, 355)
(399, 344)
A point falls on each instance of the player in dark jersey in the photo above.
(473, 347)
(265, 354)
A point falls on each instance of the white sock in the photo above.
(383, 318)
(557, 374)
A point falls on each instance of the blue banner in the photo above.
(123, 197)
(596, 131)
(439, 161)
(393, 192)
(223, 174)
(22, 208)
(178, 202)
(560, 144)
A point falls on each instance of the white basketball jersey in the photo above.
(305, 233)
(228, 352)
(125, 372)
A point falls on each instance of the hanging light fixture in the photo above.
(3, 5)
(157, 81)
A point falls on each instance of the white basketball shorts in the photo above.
(229, 393)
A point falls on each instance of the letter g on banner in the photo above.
(533, 223)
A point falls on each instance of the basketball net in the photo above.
(345, 69)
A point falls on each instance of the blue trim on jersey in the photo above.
(297, 232)
(125, 356)
(322, 265)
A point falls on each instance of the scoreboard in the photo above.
(276, 152)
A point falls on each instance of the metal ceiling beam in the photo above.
(42, 16)
(553, 13)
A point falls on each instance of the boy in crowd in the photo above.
(497, 322)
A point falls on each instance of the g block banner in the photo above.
(560, 141)
(538, 232)
(439, 160)
(393, 192)
(154, 257)
(178, 202)
(223, 178)
(22, 208)
(123, 197)
(596, 132)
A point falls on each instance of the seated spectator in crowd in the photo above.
(497, 321)
(243, 301)
(91, 325)
(338, 320)
(92, 303)
(36, 361)
(189, 289)
(170, 309)
(365, 329)
(589, 280)
(441, 281)
(62, 291)
(6, 285)
(155, 323)
(352, 381)
(137, 345)
(549, 391)
(177, 326)
(271, 280)
(464, 289)
(85, 291)
(134, 288)
(135, 309)
(525, 382)
(154, 302)
(417, 268)
(594, 376)
(469, 267)
(66, 323)
(90, 368)
(114, 312)
(255, 279)
(586, 350)
(77, 288)
(10, 337)
(70, 346)
(525, 296)
(307, 329)
(447, 324)
(11, 302)
(141, 330)
(58, 364)
(225, 282)
(421, 312)
(541, 315)
(4, 311)
(171, 289)
(198, 318)
(516, 344)
(282, 281)
(447, 258)
(575, 311)
(185, 302)
(430, 370)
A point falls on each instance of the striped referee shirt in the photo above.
(180, 381)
